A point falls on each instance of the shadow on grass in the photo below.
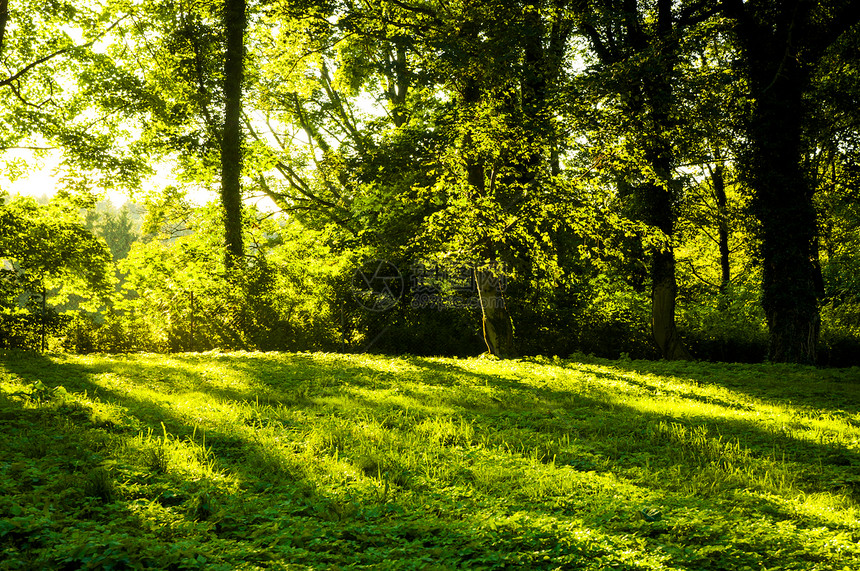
(832, 390)
(316, 384)
(500, 405)
(342, 523)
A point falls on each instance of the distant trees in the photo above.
(46, 249)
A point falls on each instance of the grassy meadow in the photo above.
(325, 461)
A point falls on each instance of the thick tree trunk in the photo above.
(783, 205)
(782, 200)
(663, 293)
(656, 201)
(497, 325)
(657, 209)
(231, 139)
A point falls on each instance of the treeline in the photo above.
(617, 177)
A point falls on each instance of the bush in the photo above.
(727, 327)
(840, 334)
(22, 329)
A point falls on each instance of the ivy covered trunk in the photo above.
(782, 193)
(783, 206)
(231, 138)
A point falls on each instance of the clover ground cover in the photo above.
(321, 461)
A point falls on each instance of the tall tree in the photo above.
(639, 49)
(41, 113)
(468, 121)
(508, 140)
(231, 140)
(781, 44)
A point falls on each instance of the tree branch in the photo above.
(40, 61)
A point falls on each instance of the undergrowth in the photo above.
(320, 461)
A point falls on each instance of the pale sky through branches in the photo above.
(44, 180)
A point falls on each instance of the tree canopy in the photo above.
(665, 179)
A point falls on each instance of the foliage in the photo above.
(250, 461)
(626, 167)
(177, 292)
(53, 66)
(46, 250)
(48, 246)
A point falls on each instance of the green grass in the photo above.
(320, 461)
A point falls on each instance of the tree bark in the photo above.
(664, 290)
(782, 194)
(649, 99)
(783, 206)
(656, 199)
(4, 19)
(496, 321)
(497, 326)
(718, 180)
(231, 139)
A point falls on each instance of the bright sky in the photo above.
(39, 183)
(44, 181)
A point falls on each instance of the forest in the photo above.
(629, 179)
(430, 285)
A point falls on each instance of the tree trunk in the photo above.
(231, 139)
(649, 99)
(783, 205)
(496, 321)
(663, 292)
(656, 201)
(782, 200)
(719, 182)
(497, 325)
(4, 19)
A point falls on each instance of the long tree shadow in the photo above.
(501, 405)
(335, 522)
(301, 381)
(833, 390)
(173, 380)
(603, 407)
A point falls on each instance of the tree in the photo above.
(51, 68)
(504, 64)
(231, 139)
(639, 49)
(781, 45)
(47, 249)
